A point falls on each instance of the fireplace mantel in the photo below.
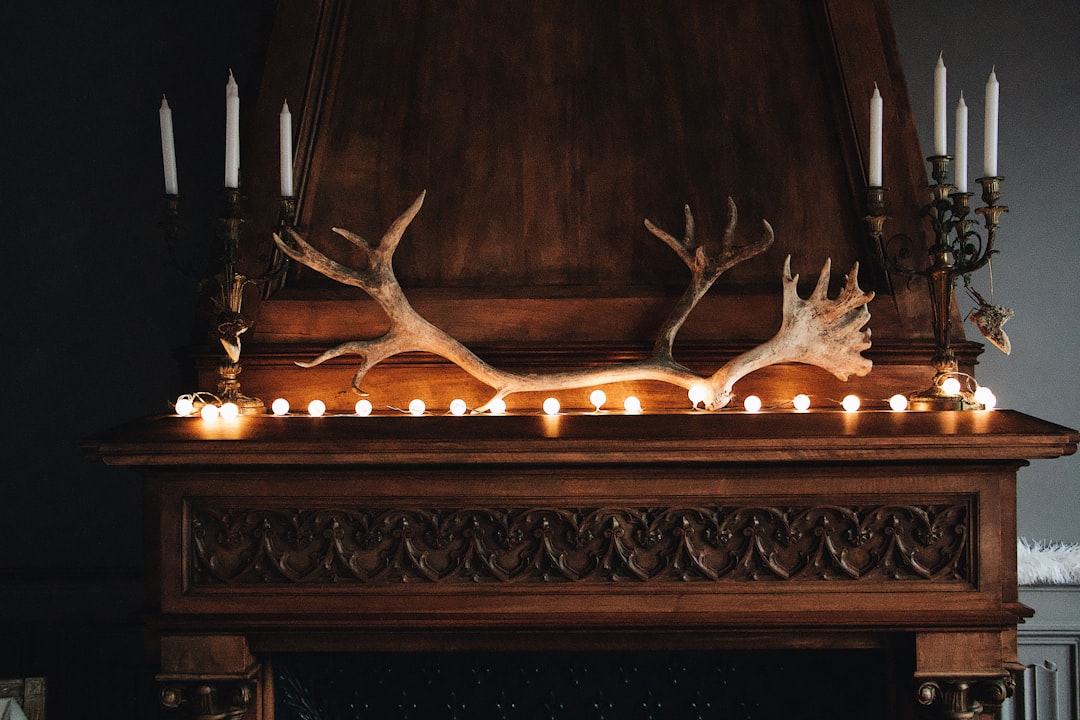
(544, 135)
(584, 531)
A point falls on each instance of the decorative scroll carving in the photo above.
(245, 545)
(967, 699)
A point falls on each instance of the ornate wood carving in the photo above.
(965, 699)
(215, 700)
(240, 545)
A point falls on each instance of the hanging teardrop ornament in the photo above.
(990, 319)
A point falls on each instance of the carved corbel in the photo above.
(209, 700)
(966, 699)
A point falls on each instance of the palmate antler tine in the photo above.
(829, 334)
(851, 295)
(821, 290)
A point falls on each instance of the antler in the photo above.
(408, 331)
(704, 268)
(830, 334)
(805, 322)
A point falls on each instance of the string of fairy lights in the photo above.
(209, 407)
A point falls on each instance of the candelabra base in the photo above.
(947, 392)
(929, 401)
(229, 390)
(249, 405)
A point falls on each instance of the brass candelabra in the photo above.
(224, 271)
(959, 249)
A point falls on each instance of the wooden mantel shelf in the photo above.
(584, 531)
(724, 438)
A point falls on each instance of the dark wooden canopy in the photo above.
(545, 133)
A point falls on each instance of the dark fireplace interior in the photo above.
(588, 685)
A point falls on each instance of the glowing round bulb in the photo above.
(417, 407)
(551, 406)
(497, 406)
(280, 407)
(951, 386)
(898, 402)
(699, 394)
(316, 408)
(985, 397)
(184, 405)
(752, 404)
(229, 410)
(801, 402)
(458, 407)
(363, 407)
(851, 403)
(598, 398)
(632, 405)
(209, 412)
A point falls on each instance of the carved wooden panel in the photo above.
(349, 545)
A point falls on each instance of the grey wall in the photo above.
(1036, 50)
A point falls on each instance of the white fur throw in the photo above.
(1047, 563)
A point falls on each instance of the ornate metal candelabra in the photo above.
(230, 323)
(958, 250)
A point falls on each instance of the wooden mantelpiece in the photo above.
(692, 530)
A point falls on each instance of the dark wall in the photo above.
(94, 314)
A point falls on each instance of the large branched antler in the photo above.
(704, 267)
(817, 331)
(830, 334)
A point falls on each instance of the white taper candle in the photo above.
(168, 147)
(990, 127)
(940, 121)
(961, 145)
(285, 147)
(874, 171)
(232, 133)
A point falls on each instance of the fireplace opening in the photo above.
(590, 685)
